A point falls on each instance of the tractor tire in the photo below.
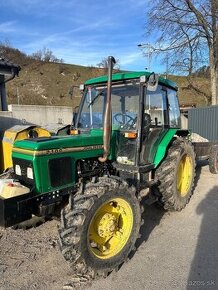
(99, 227)
(213, 160)
(176, 176)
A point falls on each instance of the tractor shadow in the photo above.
(152, 217)
(199, 165)
(203, 270)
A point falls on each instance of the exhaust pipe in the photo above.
(108, 112)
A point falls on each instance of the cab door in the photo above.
(155, 122)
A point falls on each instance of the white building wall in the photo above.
(37, 115)
(42, 115)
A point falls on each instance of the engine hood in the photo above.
(59, 143)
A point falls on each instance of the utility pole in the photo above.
(147, 52)
(18, 97)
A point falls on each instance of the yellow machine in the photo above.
(8, 71)
(18, 132)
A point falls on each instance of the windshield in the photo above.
(124, 101)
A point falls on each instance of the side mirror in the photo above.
(74, 90)
(152, 82)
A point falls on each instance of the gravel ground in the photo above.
(176, 251)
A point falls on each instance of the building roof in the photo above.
(8, 68)
(130, 75)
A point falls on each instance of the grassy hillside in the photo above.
(193, 92)
(43, 83)
(46, 83)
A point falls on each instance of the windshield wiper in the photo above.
(96, 97)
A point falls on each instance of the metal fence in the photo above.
(204, 121)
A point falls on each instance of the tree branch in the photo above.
(201, 20)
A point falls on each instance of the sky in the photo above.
(79, 31)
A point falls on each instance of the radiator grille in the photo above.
(60, 171)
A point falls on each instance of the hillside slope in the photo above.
(41, 83)
(46, 83)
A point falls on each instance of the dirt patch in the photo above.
(30, 259)
(172, 253)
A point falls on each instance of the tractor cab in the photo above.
(143, 109)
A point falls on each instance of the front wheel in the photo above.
(100, 229)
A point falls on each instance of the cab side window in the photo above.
(156, 106)
(174, 112)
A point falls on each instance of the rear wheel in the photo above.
(176, 176)
(100, 228)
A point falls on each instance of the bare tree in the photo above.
(188, 31)
(45, 55)
(104, 64)
(8, 52)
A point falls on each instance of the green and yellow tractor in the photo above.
(126, 145)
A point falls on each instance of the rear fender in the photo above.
(165, 143)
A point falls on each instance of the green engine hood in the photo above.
(58, 144)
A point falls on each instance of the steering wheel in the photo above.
(129, 123)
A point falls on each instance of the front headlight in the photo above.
(30, 172)
(17, 169)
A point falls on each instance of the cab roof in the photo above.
(128, 76)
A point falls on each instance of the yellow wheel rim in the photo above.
(110, 228)
(184, 175)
